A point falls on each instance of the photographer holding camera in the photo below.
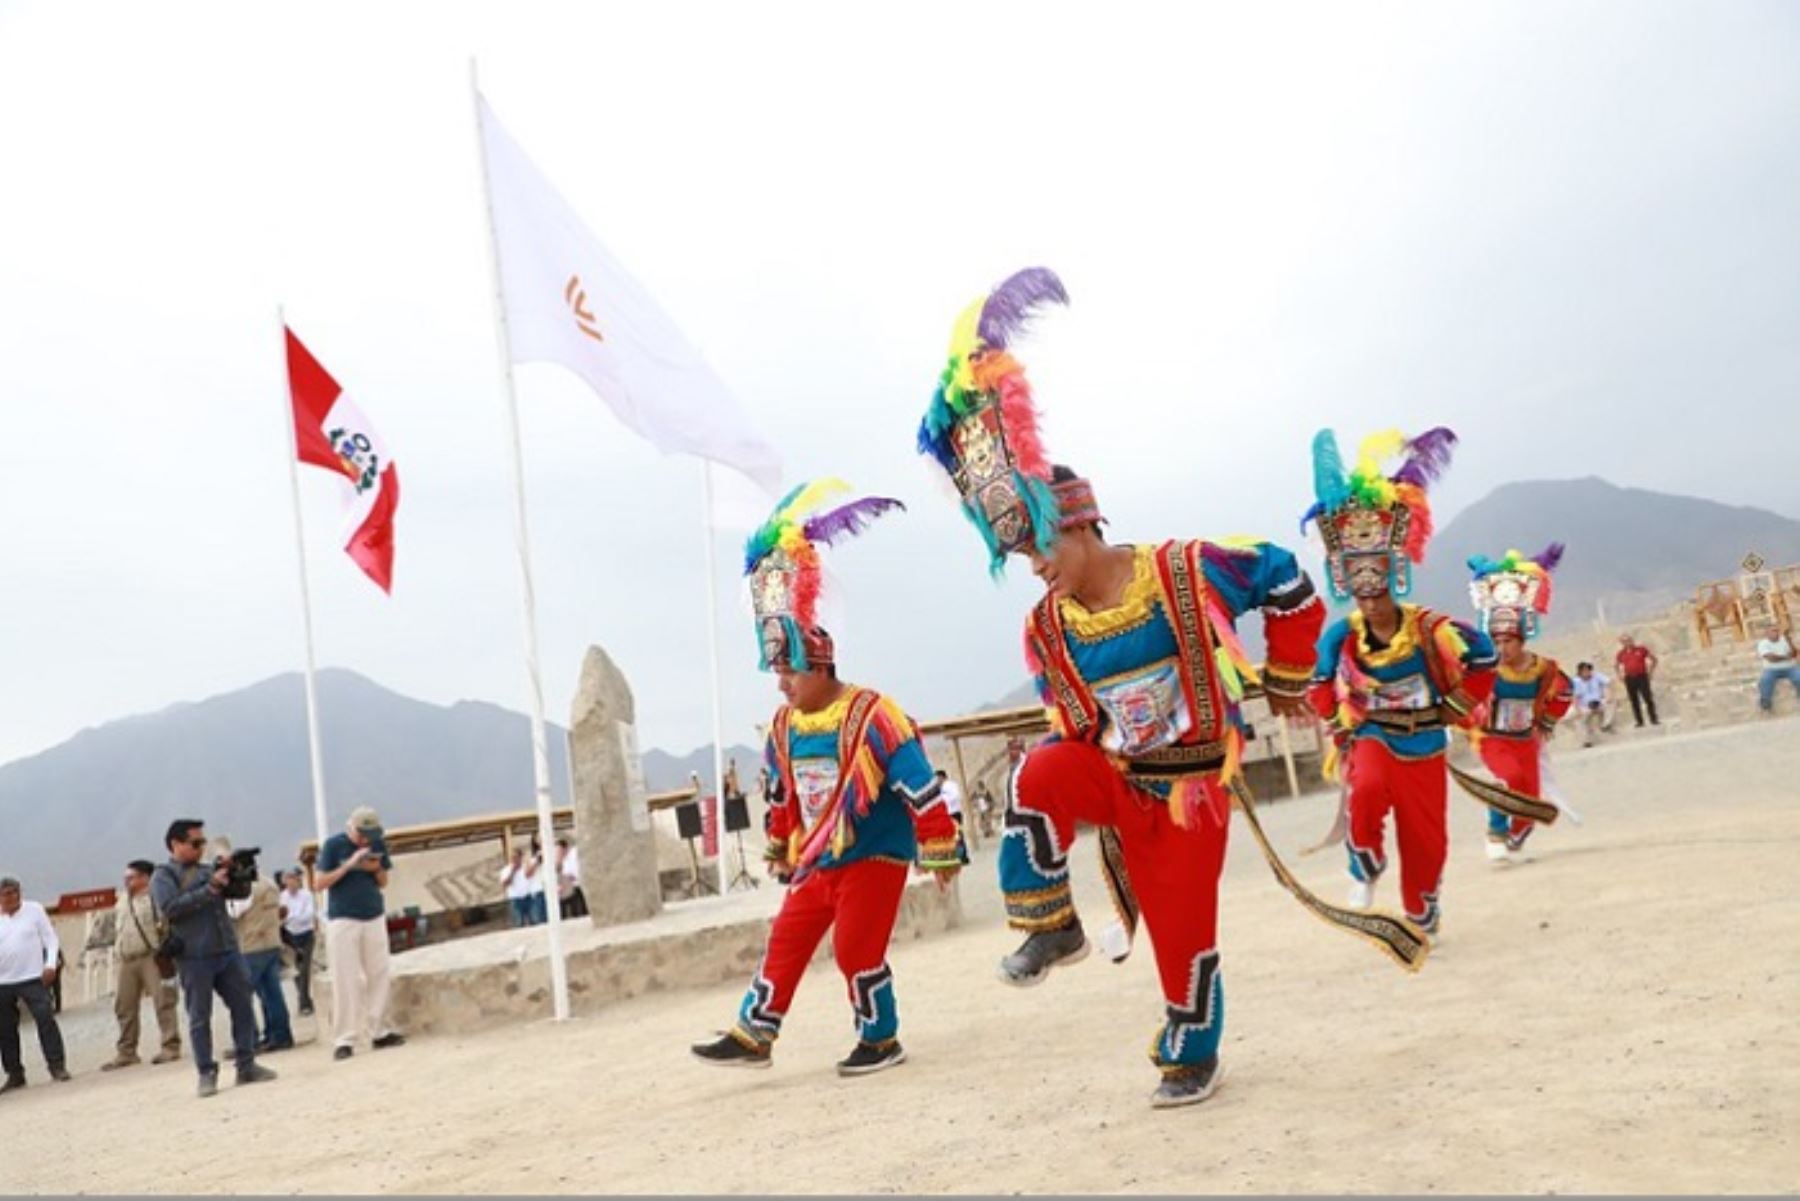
(190, 893)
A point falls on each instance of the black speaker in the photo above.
(687, 819)
(737, 814)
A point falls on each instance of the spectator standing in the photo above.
(953, 801)
(1592, 702)
(1779, 663)
(352, 870)
(141, 971)
(258, 918)
(984, 808)
(299, 930)
(568, 874)
(517, 883)
(535, 873)
(28, 960)
(1636, 665)
(190, 895)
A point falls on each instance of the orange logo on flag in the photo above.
(577, 300)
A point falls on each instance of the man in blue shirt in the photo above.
(352, 869)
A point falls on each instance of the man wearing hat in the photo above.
(352, 870)
(1136, 658)
(855, 802)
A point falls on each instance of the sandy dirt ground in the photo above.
(1620, 1015)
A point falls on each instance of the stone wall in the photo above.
(516, 988)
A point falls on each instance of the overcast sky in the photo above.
(1566, 230)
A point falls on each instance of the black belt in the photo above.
(1407, 721)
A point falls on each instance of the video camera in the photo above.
(240, 868)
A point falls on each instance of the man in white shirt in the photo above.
(28, 950)
(299, 930)
(1779, 663)
(1592, 702)
(568, 869)
(517, 883)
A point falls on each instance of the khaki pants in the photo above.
(139, 978)
(359, 978)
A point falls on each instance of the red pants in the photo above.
(858, 903)
(1174, 873)
(1515, 761)
(1417, 792)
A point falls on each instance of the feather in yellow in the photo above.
(811, 495)
(1376, 449)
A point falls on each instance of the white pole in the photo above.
(320, 821)
(712, 646)
(540, 757)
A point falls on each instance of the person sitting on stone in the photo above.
(1779, 663)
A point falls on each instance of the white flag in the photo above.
(570, 302)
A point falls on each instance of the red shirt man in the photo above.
(1635, 665)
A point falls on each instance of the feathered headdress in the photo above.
(781, 560)
(1513, 592)
(982, 425)
(1364, 513)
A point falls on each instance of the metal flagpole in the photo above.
(320, 821)
(712, 646)
(540, 757)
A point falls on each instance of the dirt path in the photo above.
(1622, 1015)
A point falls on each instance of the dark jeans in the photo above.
(540, 909)
(1638, 689)
(227, 975)
(35, 997)
(575, 905)
(303, 958)
(265, 978)
(521, 911)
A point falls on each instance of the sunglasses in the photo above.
(197, 843)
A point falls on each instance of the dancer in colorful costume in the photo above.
(1134, 653)
(855, 800)
(1531, 693)
(1390, 676)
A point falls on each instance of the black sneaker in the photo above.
(13, 1084)
(343, 1052)
(209, 1083)
(1187, 1085)
(1042, 951)
(60, 1074)
(730, 1052)
(868, 1058)
(391, 1039)
(254, 1073)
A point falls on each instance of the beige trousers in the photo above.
(359, 978)
(138, 978)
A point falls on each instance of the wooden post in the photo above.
(971, 829)
(1287, 756)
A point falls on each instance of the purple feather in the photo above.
(1225, 561)
(1426, 457)
(849, 520)
(1549, 557)
(1011, 304)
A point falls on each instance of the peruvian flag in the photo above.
(331, 432)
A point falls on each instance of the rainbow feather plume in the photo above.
(849, 520)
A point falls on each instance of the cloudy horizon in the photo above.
(1566, 232)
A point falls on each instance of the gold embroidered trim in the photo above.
(825, 720)
(1406, 638)
(1134, 609)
